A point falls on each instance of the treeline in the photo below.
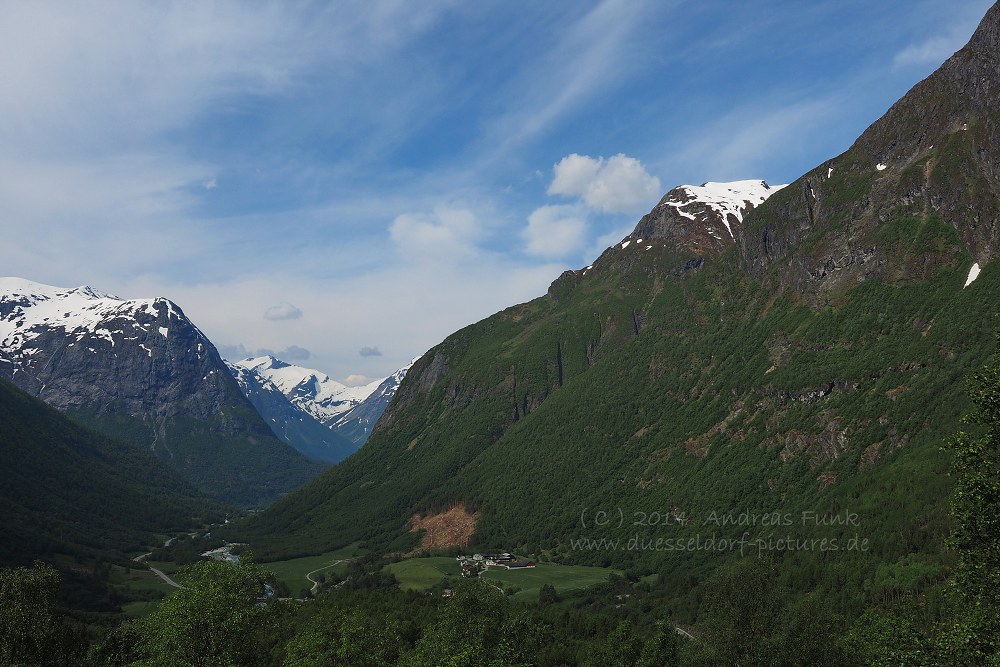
(223, 617)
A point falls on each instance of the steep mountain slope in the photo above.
(351, 412)
(139, 370)
(68, 490)
(808, 364)
(291, 423)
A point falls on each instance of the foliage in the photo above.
(32, 630)
(974, 636)
(215, 619)
(478, 628)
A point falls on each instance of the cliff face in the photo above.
(918, 190)
(141, 371)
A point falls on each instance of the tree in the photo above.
(547, 594)
(661, 650)
(974, 636)
(622, 648)
(32, 631)
(355, 638)
(476, 628)
(742, 606)
(215, 619)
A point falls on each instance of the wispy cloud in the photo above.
(587, 58)
(951, 32)
(238, 351)
(373, 162)
(370, 352)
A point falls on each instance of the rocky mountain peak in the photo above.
(987, 35)
(703, 218)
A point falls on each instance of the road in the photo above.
(165, 578)
(315, 584)
(159, 573)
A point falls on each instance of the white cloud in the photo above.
(619, 184)
(356, 380)
(210, 184)
(282, 311)
(555, 231)
(443, 233)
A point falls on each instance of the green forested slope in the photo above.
(67, 490)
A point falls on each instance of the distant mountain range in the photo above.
(140, 371)
(317, 415)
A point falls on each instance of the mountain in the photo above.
(710, 373)
(68, 490)
(359, 422)
(294, 425)
(140, 371)
(350, 412)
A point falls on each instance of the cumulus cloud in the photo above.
(282, 311)
(370, 352)
(356, 380)
(555, 231)
(210, 184)
(445, 232)
(619, 184)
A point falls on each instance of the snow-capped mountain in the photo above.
(349, 411)
(140, 370)
(294, 425)
(51, 333)
(703, 218)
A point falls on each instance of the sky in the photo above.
(345, 184)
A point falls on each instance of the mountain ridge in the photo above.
(141, 371)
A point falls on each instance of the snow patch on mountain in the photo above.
(725, 199)
(29, 309)
(973, 274)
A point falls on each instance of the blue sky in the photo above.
(347, 183)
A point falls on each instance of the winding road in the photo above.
(315, 584)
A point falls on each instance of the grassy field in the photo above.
(564, 578)
(423, 573)
(141, 583)
(417, 574)
(293, 572)
(165, 567)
